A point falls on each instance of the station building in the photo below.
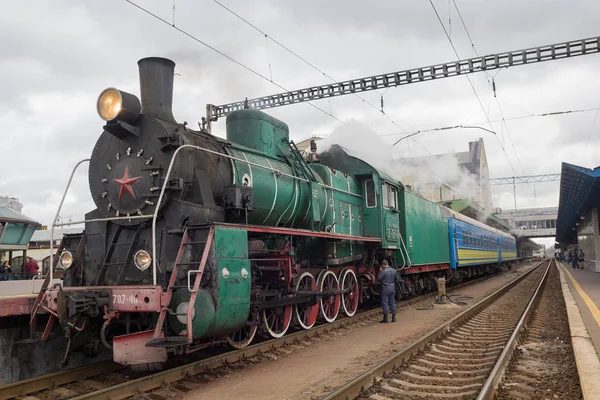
(578, 222)
(16, 229)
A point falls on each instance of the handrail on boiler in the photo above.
(160, 197)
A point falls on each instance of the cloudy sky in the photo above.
(58, 55)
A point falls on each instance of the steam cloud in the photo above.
(422, 173)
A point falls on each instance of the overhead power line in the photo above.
(247, 68)
(475, 92)
(313, 66)
(443, 128)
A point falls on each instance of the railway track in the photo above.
(108, 380)
(543, 365)
(467, 357)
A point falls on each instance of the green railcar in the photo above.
(425, 231)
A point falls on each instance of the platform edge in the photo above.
(586, 357)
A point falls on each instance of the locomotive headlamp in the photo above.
(114, 104)
(142, 260)
(66, 259)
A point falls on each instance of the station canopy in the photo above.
(15, 229)
(579, 192)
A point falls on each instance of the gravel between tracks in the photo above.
(457, 365)
(309, 370)
(544, 364)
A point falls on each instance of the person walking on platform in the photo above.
(388, 278)
(573, 257)
(566, 256)
(581, 258)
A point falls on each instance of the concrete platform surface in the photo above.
(586, 357)
(585, 287)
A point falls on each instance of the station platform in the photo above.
(581, 292)
(585, 287)
(17, 297)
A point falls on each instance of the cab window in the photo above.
(393, 196)
(384, 196)
(389, 196)
(370, 193)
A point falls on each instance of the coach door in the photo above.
(391, 216)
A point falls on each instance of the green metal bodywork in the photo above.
(223, 302)
(257, 130)
(336, 200)
(277, 199)
(424, 229)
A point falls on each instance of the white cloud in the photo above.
(57, 57)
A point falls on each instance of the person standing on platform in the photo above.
(7, 271)
(30, 268)
(388, 278)
(581, 258)
(566, 256)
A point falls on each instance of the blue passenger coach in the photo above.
(474, 243)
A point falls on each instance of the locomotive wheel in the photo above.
(243, 337)
(277, 320)
(330, 305)
(306, 314)
(349, 299)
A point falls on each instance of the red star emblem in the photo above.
(126, 182)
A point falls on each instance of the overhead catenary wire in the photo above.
(473, 88)
(492, 84)
(247, 68)
(258, 74)
(532, 115)
(304, 60)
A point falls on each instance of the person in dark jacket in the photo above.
(581, 258)
(388, 278)
(573, 257)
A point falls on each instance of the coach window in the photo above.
(370, 193)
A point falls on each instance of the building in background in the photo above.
(452, 176)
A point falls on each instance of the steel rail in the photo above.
(357, 386)
(45, 382)
(491, 384)
(22, 388)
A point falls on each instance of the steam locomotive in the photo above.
(198, 240)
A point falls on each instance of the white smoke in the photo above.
(438, 178)
(358, 140)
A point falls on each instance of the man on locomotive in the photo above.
(388, 278)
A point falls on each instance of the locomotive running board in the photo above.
(301, 232)
(131, 349)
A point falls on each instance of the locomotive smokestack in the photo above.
(156, 86)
